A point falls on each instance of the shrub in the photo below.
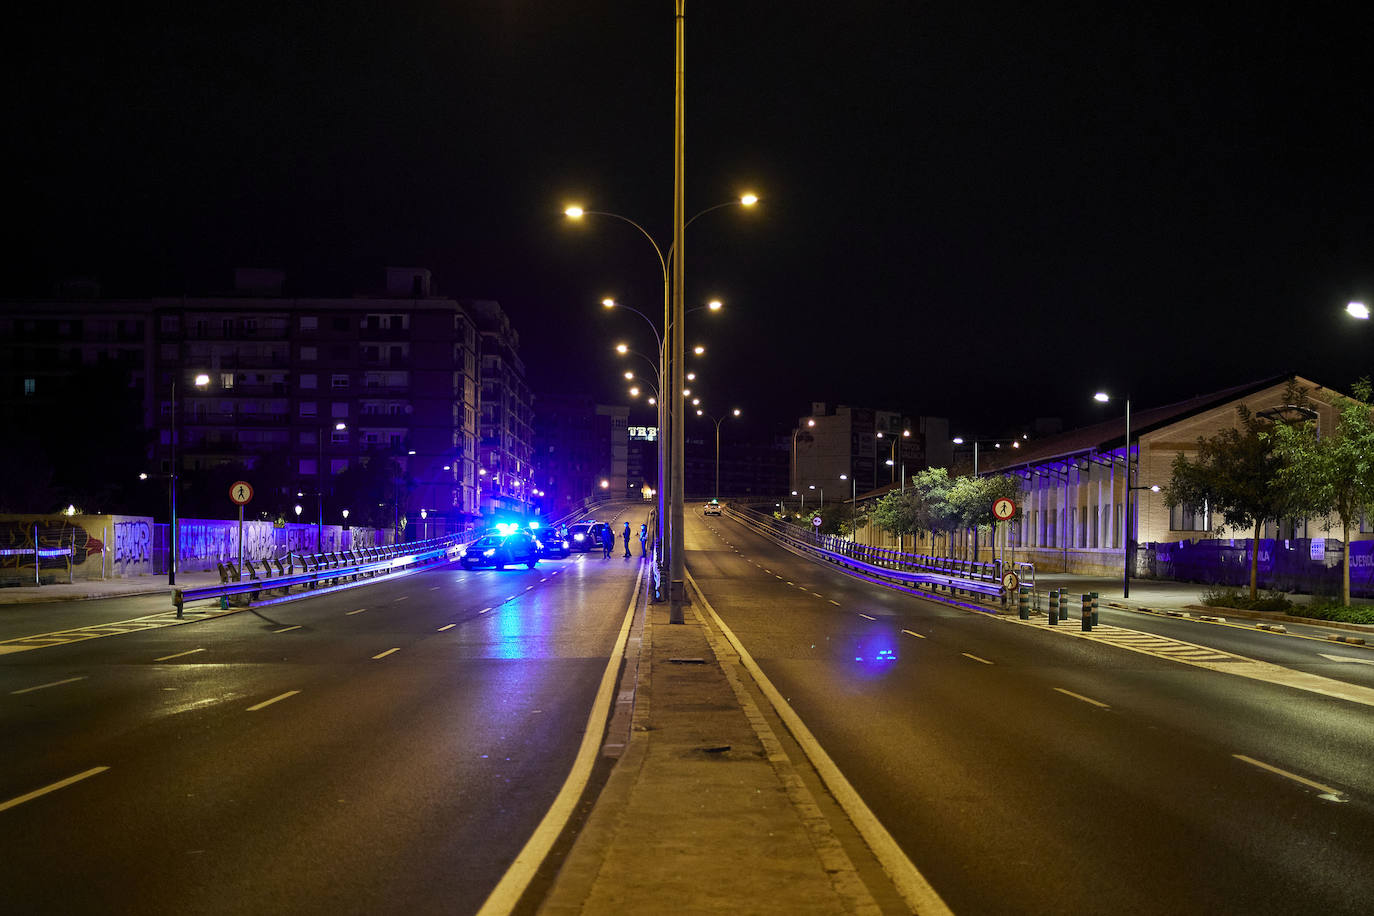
(1226, 596)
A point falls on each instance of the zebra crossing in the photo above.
(95, 631)
(1136, 641)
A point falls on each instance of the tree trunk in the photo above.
(1254, 562)
(1345, 562)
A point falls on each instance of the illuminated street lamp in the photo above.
(717, 420)
(853, 502)
(201, 380)
(1103, 398)
(892, 458)
(1358, 310)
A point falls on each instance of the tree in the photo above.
(1333, 473)
(970, 499)
(1237, 474)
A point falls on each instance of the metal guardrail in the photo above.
(883, 563)
(368, 562)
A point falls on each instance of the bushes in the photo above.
(1222, 596)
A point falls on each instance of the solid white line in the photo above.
(517, 878)
(1293, 776)
(358, 611)
(44, 686)
(912, 885)
(5, 806)
(265, 703)
(866, 617)
(910, 633)
(386, 653)
(975, 658)
(178, 655)
(1079, 696)
(447, 626)
(287, 629)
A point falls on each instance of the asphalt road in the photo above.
(383, 749)
(1029, 772)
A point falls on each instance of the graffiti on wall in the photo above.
(59, 542)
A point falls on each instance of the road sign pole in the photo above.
(240, 537)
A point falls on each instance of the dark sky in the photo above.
(974, 210)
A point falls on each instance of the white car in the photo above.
(713, 508)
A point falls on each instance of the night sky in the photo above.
(980, 211)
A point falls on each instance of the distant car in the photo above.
(580, 536)
(554, 541)
(712, 508)
(500, 551)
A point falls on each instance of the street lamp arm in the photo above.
(611, 303)
(662, 261)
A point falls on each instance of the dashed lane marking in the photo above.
(866, 617)
(60, 784)
(403, 597)
(358, 611)
(975, 658)
(913, 633)
(484, 610)
(69, 680)
(833, 601)
(1079, 696)
(447, 626)
(386, 653)
(178, 655)
(1330, 794)
(276, 699)
(287, 629)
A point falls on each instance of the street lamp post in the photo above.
(996, 443)
(717, 420)
(201, 381)
(1103, 397)
(892, 458)
(319, 485)
(853, 503)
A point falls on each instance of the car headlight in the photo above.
(579, 537)
(490, 552)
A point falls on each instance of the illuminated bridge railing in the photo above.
(882, 564)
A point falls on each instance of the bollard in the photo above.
(1094, 597)
(1054, 607)
(1023, 602)
(1086, 612)
(1064, 605)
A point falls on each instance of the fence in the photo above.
(1310, 565)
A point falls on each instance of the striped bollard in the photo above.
(1054, 607)
(1086, 612)
(1064, 604)
(1023, 602)
(1094, 596)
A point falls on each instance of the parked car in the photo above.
(554, 541)
(500, 551)
(580, 536)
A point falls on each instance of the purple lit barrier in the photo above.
(1311, 565)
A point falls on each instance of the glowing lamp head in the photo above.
(202, 380)
(1358, 310)
(629, 375)
(748, 200)
(735, 412)
(715, 305)
(634, 392)
(608, 302)
(622, 349)
(958, 440)
(698, 350)
(574, 212)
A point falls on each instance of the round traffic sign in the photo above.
(1003, 509)
(1010, 581)
(241, 492)
(816, 521)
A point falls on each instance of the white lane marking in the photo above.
(386, 653)
(522, 870)
(447, 626)
(178, 655)
(912, 885)
(288, 629)
(1331, 794)
(818, 594)
(866, 617)
(510, 597)
(266, 703)
(776, 576)
(45, 686)
(528, 587)
(911, 633)
(545, 579)
(1079, 696)
(358, 611)
(403, 597)
(1346, 658)
(434, 588)
(484, 610)
(975, 658)
(61, 784)
(833, 601)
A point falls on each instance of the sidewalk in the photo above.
(702, 814)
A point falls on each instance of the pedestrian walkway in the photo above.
(702, 814)
(83, 589)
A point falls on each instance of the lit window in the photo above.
(30, 386)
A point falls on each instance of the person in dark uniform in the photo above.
(643, 539)
(607, 542)
(625, 536)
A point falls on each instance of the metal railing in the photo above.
(885, 564)
(325, 569)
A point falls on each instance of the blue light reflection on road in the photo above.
(875, 654)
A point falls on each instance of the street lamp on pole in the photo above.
(853, 502)
(892, 458)
(1103, 397)
(717, 420)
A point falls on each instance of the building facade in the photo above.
(858, 442)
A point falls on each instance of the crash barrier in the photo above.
(955, 576)
(319, 569)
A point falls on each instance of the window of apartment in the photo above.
(169, 352)
(307, 437)
(170, 324)
(310, 323)
(338, 381)
(338, 436)
(309, 354)
(250, 326)
(309, 380)
(226, 380)
(308, 408)
(338, 465)
(307, 467)
(30, 387)
(338, 409)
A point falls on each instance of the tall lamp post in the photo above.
(671, 372)
(734, 413)
(319, 485)
(853, 503)
(202, 380)
(1103, 397)
(892, 458)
